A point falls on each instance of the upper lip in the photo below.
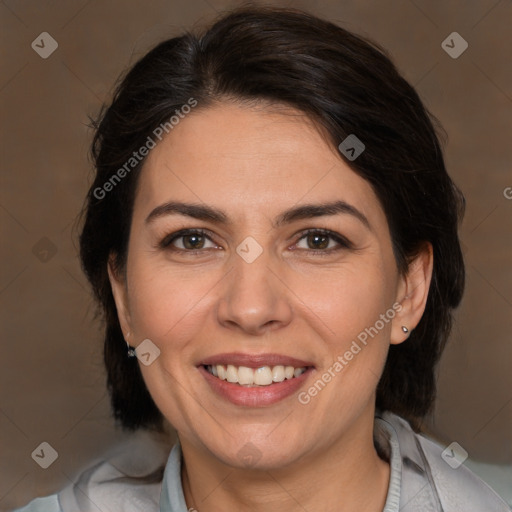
(254, 360)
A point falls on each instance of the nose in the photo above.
(254, 298)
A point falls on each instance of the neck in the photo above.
(349, 476)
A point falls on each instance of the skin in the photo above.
(253, 164)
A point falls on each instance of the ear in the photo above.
(120, 293)
(412, 294)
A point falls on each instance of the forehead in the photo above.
(248, 159)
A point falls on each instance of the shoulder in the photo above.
(48, 504)
(451, 487)
(128, 478)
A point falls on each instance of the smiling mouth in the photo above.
(254, 377)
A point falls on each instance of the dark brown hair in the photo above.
(347, 85)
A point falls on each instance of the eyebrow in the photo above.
(307, 211)
(196, 211)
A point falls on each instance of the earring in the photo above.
(131, 351)
(404, 329)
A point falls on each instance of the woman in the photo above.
(272, 236)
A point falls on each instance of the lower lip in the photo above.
(258, 395)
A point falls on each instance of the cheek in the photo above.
(165, 304)
(347, 299)
(349, 302)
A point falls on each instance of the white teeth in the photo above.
(278, 373)
(297, 372)
(221, 371)
(231, 373)
(245, 375)
(263, 376)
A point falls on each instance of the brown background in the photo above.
(52, 382)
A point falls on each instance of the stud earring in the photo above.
(131, 350)
(404, 329)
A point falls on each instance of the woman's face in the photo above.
(258, 281)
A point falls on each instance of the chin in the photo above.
(259, 455)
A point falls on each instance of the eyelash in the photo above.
(343, 243)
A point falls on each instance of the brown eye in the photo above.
(317, 241)
(193, 241)
(187, 240)
(322, 241)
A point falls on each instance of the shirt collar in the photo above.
(172, 498)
